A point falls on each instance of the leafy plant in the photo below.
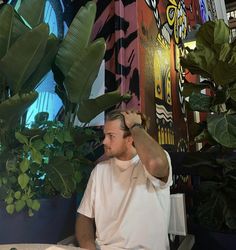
(49, 163)
(214, 59)
(215, 197)
(46, 159)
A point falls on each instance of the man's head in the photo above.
(118, 141)
(117, 115)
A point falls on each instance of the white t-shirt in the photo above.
(131, 207)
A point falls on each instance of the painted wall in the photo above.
(143, 47)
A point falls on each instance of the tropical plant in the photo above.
(214, 59)
(46, 159)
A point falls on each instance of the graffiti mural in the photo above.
(177, 19)
(120, 32)
(162, 23)
(163, 96)
(142, 57)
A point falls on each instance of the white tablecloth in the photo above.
(37, 247)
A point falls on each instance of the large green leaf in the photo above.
(212, 57)
(6, 22)
(19, 27)
(225, 52)
(90, 108)
(44, 65)
(221, 32)
(84, 71)
(213, 34)
(200, 102)
(77, 38)
(61, 174)
(200, 61)
(222, 128)
(33, 16)
(24, 56)
(13, 108)
(224, 73)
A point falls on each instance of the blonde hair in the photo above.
(116, 114)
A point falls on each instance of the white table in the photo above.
(38, 247)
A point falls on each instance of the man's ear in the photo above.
(130, 139)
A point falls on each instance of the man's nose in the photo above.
(104, 140)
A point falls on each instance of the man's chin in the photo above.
(108, 153)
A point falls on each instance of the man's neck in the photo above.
(128, 156)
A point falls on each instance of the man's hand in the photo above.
(150, 152)
(131, 118)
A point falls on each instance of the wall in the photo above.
(143, 47)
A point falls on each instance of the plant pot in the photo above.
(53, 222)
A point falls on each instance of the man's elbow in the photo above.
(159, 167)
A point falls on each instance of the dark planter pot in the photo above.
(206, 239)
(53, 222)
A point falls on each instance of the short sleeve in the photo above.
(157, 182)
(86, 206)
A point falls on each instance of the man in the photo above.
(127, 201)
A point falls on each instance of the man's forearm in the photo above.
(150, 152)
(85, 232)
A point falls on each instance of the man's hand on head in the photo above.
(131, 118)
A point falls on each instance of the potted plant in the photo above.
(51, 157)
(214, 59)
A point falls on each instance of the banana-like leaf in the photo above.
(61, 174)
(6, 22)
(222, 128)
(19, 27)
(77, 38)
(84, 71)
(44, 65)
(13, 108)
(23, 57)
(90, 108)
(33, 17)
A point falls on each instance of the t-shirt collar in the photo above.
(125, 164)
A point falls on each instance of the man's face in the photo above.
(115, 144)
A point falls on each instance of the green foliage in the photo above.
(47, 164)
(215, 200)
(51, 158)
(214, 58)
